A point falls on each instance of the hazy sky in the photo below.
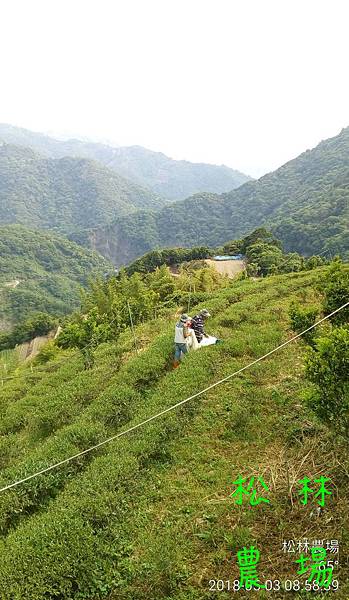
(248, 83)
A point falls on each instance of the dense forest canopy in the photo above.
(50, 271)
(171, 179)
(66, 194)
(305, 203)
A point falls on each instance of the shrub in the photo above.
(336, 289)
(301, 319)
(327, 366)
(85, 334)
(47, 353)
(253, 269)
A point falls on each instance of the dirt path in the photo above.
(227, 267)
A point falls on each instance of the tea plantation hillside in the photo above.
(150, 515)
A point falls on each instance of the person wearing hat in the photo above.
(197, 323)
(181, 334)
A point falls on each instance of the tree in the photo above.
(291, 262)
(259, 235)
(253, 269)
(232, 247)
(312, 262)
(265, 255)
(85, 334)
(162, 283)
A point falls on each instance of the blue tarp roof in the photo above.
(229, 257)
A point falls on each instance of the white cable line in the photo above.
(166, 410)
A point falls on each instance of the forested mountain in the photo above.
(64, 194)
(305, 203)
(41, 271)
(171, 179)
(187, 223)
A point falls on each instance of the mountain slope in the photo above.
(150, 515)
(195, 221)
(40, 271)
(305, 203)
(171, 179)
(65, 194)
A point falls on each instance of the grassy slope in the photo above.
(150, 516)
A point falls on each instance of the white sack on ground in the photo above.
(207, 341)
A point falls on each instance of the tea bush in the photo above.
(302, 318)
(327, 367)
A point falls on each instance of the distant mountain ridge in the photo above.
(305, 203)
(171, 179)
(65, 194)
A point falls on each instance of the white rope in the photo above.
(163, 412)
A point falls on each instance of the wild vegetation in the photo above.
(48, 272)
(111, 305)
(168, 256)
(151, 515)
(37, 324)
(327, 365)
(305, 204)
(265, 254)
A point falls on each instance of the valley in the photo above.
(168, 178)
(305, 203)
